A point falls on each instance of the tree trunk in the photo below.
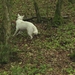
(37, 11)
(6, 21)
(58, 20)
(72, 1)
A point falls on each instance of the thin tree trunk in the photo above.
(6, 19)
(72, 1)
(58, 20)
(37, 11)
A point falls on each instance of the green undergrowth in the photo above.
(28, 69)
(63, 38)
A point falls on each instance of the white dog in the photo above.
(22, 25)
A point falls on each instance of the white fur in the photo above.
(22, 25)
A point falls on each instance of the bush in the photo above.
(72, 56)
(6, 53)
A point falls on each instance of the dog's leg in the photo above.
(19, 32)
(16, 32)
(30, 35)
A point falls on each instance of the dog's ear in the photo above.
(18, 15)
(23, 16)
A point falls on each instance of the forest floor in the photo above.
(46, 54)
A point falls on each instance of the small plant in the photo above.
(34, 70)
(70, 70)
(16, 70)
(4, 73)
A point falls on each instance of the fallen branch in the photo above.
(43, 19)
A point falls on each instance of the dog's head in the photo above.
(20, 17)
